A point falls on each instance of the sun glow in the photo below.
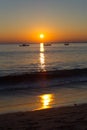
(41, 36)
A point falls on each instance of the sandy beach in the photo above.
(63, 118)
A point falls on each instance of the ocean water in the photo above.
(36, 58)
(28, 95)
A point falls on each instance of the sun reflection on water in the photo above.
(46, 100)
(41, 47)
(42, 57)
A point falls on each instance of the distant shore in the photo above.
(63, 118)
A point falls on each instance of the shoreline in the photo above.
(60, 118)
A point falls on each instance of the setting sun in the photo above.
(41, 36)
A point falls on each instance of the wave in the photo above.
(36, 76)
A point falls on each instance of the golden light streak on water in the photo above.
(42, 57)
(42, 47)
(46, 100)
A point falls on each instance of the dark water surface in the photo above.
(37, 57)
(39, 77)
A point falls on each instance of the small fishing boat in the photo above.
(47, 44)
(66, 43)
(24, 45)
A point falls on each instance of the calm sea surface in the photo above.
(47, 93)
(36, 58)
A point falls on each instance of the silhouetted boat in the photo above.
(47, 44)
(66, 43)
(24, 45)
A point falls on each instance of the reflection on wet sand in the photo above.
(46, 101)
(42, 57)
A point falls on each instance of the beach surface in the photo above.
(62, 118)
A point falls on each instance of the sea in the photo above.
(41, 76)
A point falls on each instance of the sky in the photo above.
(58, 20)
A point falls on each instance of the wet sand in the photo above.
(63, 118)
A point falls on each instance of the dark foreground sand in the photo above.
(64, 118)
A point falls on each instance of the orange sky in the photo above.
(48, 36)
(57, 20)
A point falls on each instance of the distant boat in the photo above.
(66, 43)
(47, 44)
(24, 45)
